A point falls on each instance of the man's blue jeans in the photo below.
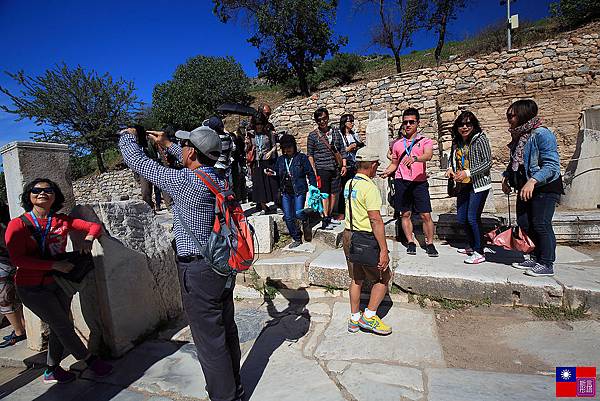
(291, 205)
(469, 206)
(535, 217)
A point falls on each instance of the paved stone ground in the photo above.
(296, 348)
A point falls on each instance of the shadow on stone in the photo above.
(289, 325)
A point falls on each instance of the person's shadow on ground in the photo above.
(288, 325)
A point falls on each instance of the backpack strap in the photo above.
(350, 200)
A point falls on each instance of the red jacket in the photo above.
(24, 251)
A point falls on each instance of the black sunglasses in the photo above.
(38, 191)
(320, 119)
(468, 124)
(409, 122)
(185, 143)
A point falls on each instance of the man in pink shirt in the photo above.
(409, 157)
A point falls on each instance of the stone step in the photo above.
(291, 271)
(581, 226)
(332, 238)
(449, 277)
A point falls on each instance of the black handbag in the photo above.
(364, 248)
(83, 264)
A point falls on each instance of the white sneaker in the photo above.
(475, 259)
(465, 251)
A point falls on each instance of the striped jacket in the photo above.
(480, 162)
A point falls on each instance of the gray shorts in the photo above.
(9, 303)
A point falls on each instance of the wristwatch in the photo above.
(415, 159)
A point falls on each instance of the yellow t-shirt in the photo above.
(365, 197)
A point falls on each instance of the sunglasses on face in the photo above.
(37, 191)
(321, 119)
(185, 143)
(350, 121)
(409, 122)
(467, 124)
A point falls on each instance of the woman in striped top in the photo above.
(470, 165)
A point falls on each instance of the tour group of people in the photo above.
(337, 164)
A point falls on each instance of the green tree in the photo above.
(290, 35)
(198, 87)
(341, 67)
(80, 108)
(398, 21)
(442, 12)
(572, 13)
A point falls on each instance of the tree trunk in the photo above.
(303, 83)
(441, 38)
(99, 160)
(397, 60)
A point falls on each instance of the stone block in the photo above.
(581, 285)
(332, 238)
(264, 233)
(454, 279)
(466, 385)
(329, 269)
(582, 177)
(292, 271)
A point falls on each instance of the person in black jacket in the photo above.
(293, 169)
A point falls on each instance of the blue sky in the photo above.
(144, 40)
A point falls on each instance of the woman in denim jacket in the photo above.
(534, 172)
(293, 169)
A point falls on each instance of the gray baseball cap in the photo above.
(204, 139)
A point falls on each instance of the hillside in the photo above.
(489, 40)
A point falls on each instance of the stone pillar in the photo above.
(378, 139)
(23, 162)
(582, 176)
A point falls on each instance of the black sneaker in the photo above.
(431, 251)
(307, 230)
(411, 248)
(540, 270)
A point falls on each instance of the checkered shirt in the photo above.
(192, 200)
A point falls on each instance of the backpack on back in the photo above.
(230, 245)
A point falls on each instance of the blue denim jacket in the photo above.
(300, 170)
(540, 156)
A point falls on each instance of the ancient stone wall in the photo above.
(562, 75)
(107, 187)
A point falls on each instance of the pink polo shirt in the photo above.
(417, 171)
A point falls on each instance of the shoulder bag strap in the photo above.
(350, 204)
(187, 229)
(326, 143)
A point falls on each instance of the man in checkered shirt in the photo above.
(207, 304)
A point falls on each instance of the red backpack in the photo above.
(230, 246)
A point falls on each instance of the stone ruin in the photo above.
(134, 287)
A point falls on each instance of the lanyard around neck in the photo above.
(42, 234)
(288, 166)
(409, 148)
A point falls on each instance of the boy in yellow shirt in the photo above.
(366, 217)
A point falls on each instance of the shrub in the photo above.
(572, 13)
(342, 67)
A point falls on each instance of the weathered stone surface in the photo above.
(136, 278)
(470, 385)
(329, 269)
(305, 247)
(178, 373)
(564, 344)
(379, 382)
(291, 270)
(412, 342)
(264, 233)
(582, 177)
(108, 187)
(456, 280)
(581, 285)
(332, 238)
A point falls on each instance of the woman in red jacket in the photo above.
(32, 240)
